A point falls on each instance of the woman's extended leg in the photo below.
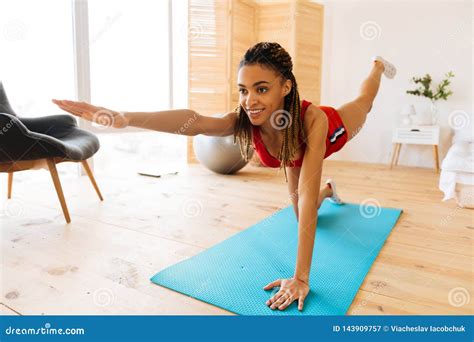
(354, 113)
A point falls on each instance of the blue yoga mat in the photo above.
(232, 274)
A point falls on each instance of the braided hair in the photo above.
(276, 58)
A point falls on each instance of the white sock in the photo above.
(335, 197)
(389, 69)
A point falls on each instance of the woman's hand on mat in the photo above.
(99, 115)
(290, 290)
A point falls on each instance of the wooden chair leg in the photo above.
(395, 154)
(399, 147)
(10, 184)
(59, 190)
(85, 164)
(436, 157)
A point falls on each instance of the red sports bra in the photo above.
(266, 158)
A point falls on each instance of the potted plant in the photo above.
(424, 89)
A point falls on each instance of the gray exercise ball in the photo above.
(219, 154)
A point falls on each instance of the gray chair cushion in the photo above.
(44, 137)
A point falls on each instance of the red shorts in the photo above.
(337, 133)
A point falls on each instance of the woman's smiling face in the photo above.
(262, 92)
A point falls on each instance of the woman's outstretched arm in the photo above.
(309, 183)
(177, 121)
(297, 288)
(293, 177)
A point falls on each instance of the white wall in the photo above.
(419, 37)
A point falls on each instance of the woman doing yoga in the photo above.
(284, 131)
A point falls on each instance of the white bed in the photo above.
(457, 169)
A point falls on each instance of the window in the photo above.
(36, 59)
(129, 58)
(129, 54)
(130, 70)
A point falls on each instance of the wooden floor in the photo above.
(101, 262)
